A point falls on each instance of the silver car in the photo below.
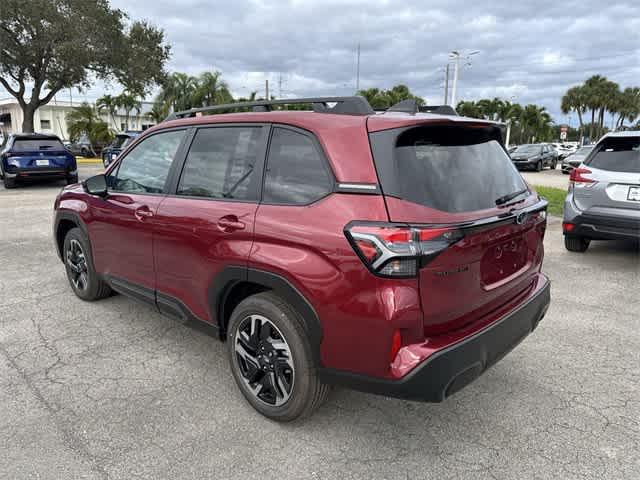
(603, 202)
(573, 160)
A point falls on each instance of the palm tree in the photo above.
(469, 109)
(85, 120)
(158, 112)
(211, 90)
(490, 108)
(178, 91)
(628, 105)
(575, 100)
(109, 104)
(128, 102)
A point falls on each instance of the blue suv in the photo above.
(30, 156)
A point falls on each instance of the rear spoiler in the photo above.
(411, 106)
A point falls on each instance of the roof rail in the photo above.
(355, 105)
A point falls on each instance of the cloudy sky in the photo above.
(529, 51)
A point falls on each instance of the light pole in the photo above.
(456, 56)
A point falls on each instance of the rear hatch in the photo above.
(609, 182)
(41, 153)
(480, 227)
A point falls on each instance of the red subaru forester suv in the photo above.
(397, 253)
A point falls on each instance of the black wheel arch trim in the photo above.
(230, 276)
(72, 217)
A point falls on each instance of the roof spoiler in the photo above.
(355, 105)
(411, 106)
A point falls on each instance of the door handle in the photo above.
(230, 224)
(143, 212)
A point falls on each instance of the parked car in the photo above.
(119, 143)
(274, 231)
(563, 150)
(575, 159)
(535, 156)
(32, 156)
(80, 148)
(603, 202)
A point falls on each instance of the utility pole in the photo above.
(456, 56)
(446, 85)
(266, 89)
(280, 85)
(358, 70)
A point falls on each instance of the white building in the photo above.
(51, 118)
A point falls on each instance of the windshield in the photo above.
(528, 149)
(451, 169)
(36, 145)
(617, 155)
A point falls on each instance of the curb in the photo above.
(89, 161)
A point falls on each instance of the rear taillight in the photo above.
(399, 251)
(578, 176)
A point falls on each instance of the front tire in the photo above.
(271, 359)
(9, 182)
(82, 276)
(539, 166)
(72, 179)
(575, 243)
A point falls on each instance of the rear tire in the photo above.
(263, 379)
(9, 182)
(576, 244)
(554, 164)
(84, 280)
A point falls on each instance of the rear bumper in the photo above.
(605, 228)
(450, 369)
(34, 173)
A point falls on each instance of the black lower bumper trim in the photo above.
(451, 369)
(605, 228)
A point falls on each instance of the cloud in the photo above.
(533, 51)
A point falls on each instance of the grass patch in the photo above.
(555, 197)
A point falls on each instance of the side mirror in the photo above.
(96, 185)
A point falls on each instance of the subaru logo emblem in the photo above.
(521, 218)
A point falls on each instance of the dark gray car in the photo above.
(603, 202)
(535, 156)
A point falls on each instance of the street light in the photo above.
(457, 55)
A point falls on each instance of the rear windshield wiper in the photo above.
(510, 196)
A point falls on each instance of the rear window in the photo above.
(617, 155)
(36, 145)
(451, 169)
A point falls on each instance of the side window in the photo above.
(296, 172)
(220, 163)
(145, 168)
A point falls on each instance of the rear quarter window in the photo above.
(617, 155)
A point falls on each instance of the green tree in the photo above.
(383, 99)
(109, 104)
(178, 91)
(128, 102)
(469, 109)
(57, 44)
(628, 107)
(575, 100)
(211, 90)
(85, 120)
(158, 112)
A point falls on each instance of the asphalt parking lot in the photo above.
(547, 178)
(114, 390)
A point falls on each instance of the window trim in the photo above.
(333, 186)
(255, 184)
(139, 141)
